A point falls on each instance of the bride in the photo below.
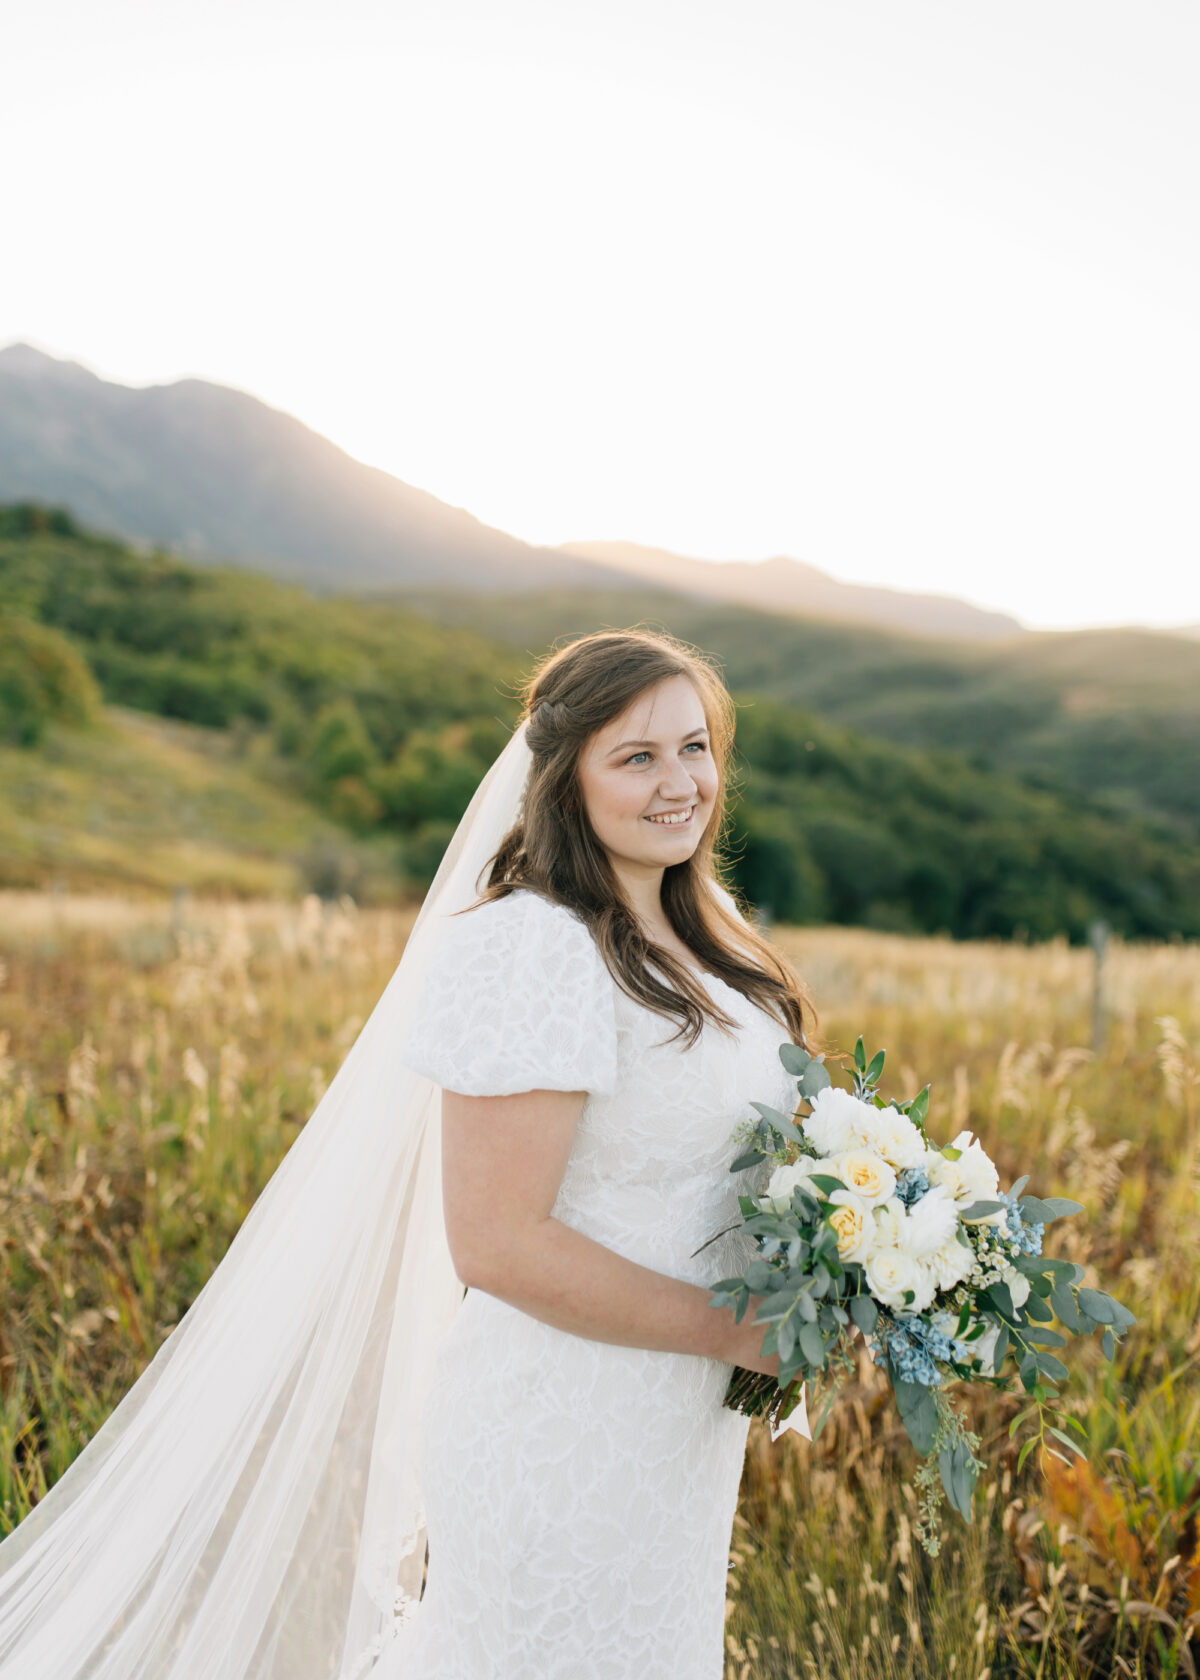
(342, 1464)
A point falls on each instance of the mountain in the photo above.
(220, 476)
(792, 586)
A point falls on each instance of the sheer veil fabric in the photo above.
(251, 1509)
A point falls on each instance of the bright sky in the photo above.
(909, 291)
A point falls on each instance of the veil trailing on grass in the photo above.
(251, 1509)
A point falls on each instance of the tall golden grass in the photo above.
(156, 1064)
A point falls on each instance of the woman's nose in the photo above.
(677, 782)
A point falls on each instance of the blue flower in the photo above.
(1028, 1237)
(916, 1349)
(911, 1184)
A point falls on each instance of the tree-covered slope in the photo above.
(383, 719)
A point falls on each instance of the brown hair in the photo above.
(554, 850)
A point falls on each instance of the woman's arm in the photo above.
(503, 1160)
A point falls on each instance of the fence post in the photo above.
(1098, 939)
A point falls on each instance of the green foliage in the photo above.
(907, 840)
(43, 679)
(387, 720)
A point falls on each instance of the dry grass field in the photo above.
(156, 1064)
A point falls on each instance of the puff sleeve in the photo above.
(516, 997)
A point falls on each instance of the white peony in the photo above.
(867, 1174)
(931, 1223)
(972, 1178)
(897, 1139)
(950, 1264)
(889, 1223)
(927, 1288)
(854, 1223)
(838, 1120)
(890, 1273)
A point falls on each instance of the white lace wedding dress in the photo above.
(579, 1494)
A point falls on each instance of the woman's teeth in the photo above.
(673, 820)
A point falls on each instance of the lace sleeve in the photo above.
(516, 998)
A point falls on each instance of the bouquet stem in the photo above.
(755, 1394)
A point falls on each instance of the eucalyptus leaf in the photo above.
(864, 1312)
(1037, 1309)
(918, 1410)
(958, 1476)
(1097, 1305)
(812, 1345)
(1036, 1210)
(979, 1210)
(816, 1078)
(1062, 1299)
(779, 1122)
(794, 1057)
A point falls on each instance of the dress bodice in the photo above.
(518, 997)
(649, 1170)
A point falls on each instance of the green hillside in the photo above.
(301, 718)
(1114, 714)
(145, 805)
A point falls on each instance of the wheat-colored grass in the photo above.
(156, 1062)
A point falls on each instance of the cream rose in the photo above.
(890, 1273)
(866, 1174)
(854, 1223)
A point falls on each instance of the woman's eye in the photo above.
(644, 754)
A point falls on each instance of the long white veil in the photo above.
(251, 1509)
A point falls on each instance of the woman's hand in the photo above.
(746, 1340)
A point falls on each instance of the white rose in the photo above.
(932, 1222)
(890, 1273)
(897, 1139)
(867, 1174)
(855, 1226)
(838, 1120)
(783, 1181)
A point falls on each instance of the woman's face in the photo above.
(651, 762)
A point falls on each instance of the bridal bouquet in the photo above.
(867, 1223)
